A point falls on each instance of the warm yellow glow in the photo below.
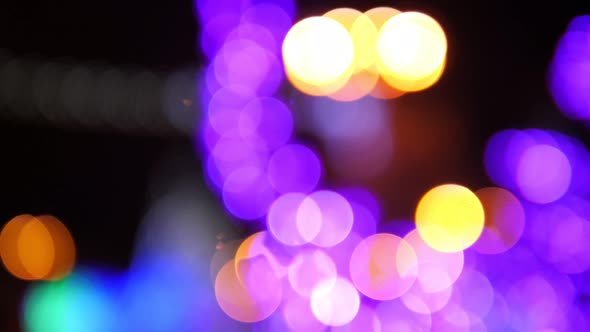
(244, 250)
(254, 246)
(318, 51)
(363, 33)
(381, 89)
(412, 49)
(246, 302)
(416, 84)
(449, 218)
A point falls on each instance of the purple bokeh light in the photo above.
(294, 168)
(251, 156)
(543, 174)
(569, 75)
(334, 220)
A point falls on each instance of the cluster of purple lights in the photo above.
(247, 129)
(515, 278)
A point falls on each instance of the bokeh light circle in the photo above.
(335, 303)
(437, 271)
(318, 50)
(449, 218)
(325, 218)
(543, 174)
(256, 245)
(294, 168)
(411, 46)
(310, 268)
(383, 266)
(80, 302)
(9, 246)
(243, 301)
(283, 216)
(35, 248)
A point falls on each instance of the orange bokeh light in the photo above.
(37, 248)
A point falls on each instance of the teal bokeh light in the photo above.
(83, 301)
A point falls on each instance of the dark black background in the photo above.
(96, 181)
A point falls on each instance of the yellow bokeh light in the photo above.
(318, 51)
(381, 89)
(416, 84)
(363, 33)
(412, 49)
(449, 218)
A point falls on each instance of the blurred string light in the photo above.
(309, 229)
(569, 73)
(318, 261)
(406, 51)
(37, 248)
(92, 95)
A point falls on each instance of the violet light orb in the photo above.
(335, 303)
(224, 111)
(502, 152)
(543, 174)
(325, 218)
(245, 63)
(365, 321)
(276, 17)
(569, 74)
(310, 268)
(256, 33)
(294, 168)
(297, 313)
(473, 292)
(437, 270)
(215, 32)
(394, 316)
(283, 215)
(267, 119)
(231, 154)
(247, 194)
(418, 300)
